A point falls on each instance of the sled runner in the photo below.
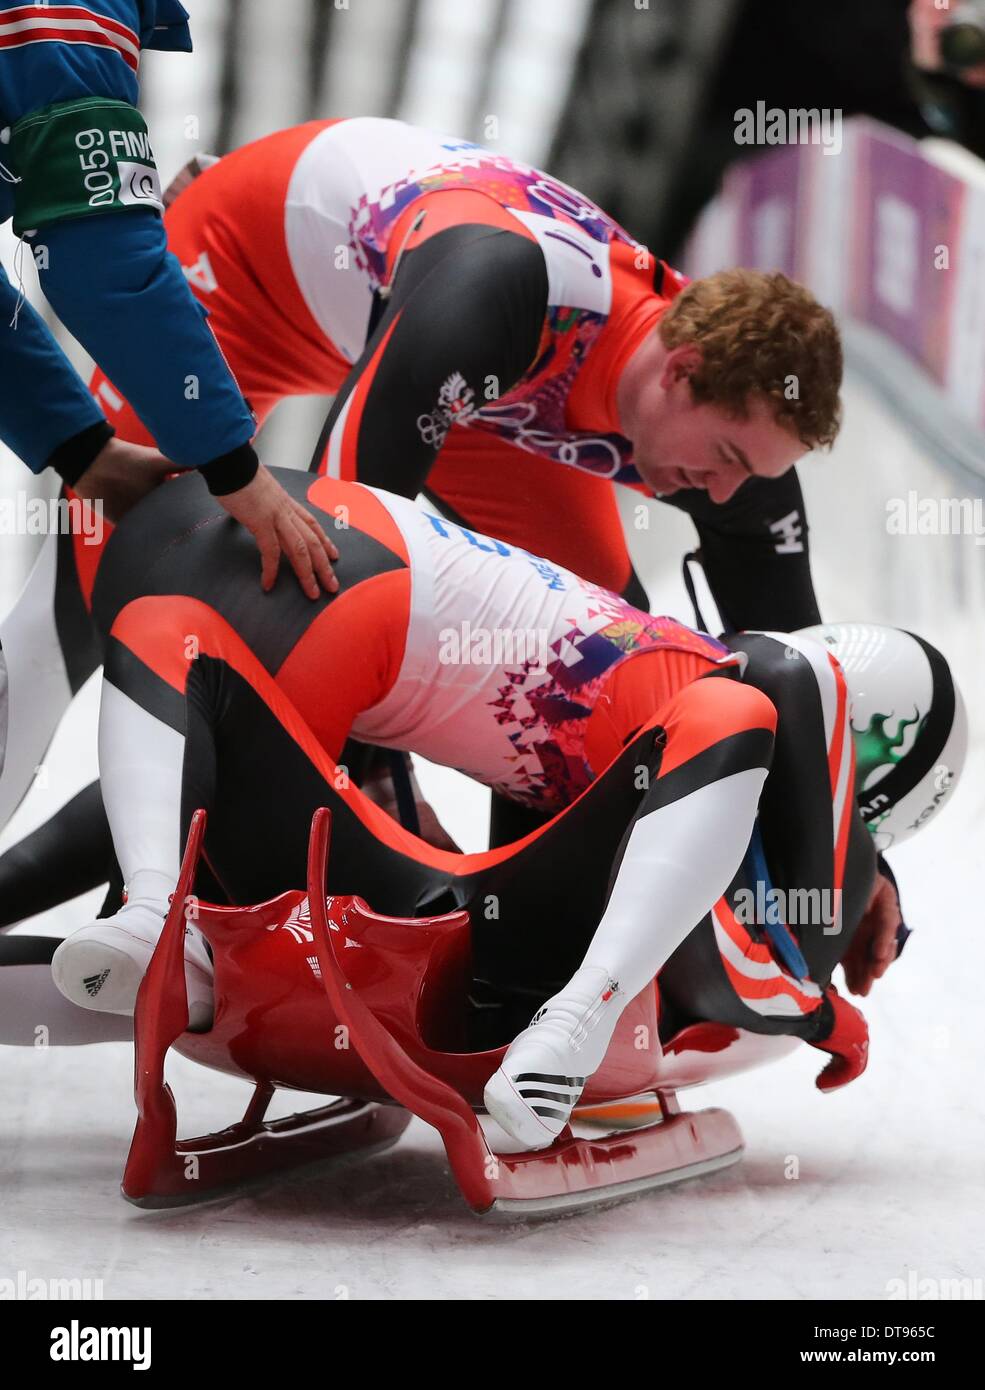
(325, 995)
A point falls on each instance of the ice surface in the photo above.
(836, 1196)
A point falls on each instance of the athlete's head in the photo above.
(741, 376)
(908, 721)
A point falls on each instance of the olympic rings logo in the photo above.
(433, 431)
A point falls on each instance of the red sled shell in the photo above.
(325, 995)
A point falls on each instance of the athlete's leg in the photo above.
(162, 657)
(150, 769)
(70, 854)
(151, 677)
(142, 724)
(679, 855)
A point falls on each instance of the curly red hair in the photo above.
(762, 336)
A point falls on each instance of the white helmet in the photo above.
(909, 724)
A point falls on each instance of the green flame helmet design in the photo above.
(908, 724)
(875, 748)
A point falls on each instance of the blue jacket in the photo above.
(110, 277)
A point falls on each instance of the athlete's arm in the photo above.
(813, 836)
(114, 285)
(815, 841)
(461, 327)
(46, 414)
(754, 550)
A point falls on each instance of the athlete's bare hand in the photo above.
(281, 526)
(120, 475)
(873, 947)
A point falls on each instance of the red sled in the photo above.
(324, 995)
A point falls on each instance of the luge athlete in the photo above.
(211, 700)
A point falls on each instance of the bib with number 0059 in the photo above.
(81, 157)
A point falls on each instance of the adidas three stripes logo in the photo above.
(538, 1085)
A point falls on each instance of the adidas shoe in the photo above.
(544, 1071)
(101, 966)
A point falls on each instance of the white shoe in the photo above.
(101, 966)
(545, 1068)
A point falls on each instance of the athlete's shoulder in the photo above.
(59, 53)
(160, 24)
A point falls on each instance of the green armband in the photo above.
(81, 157)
